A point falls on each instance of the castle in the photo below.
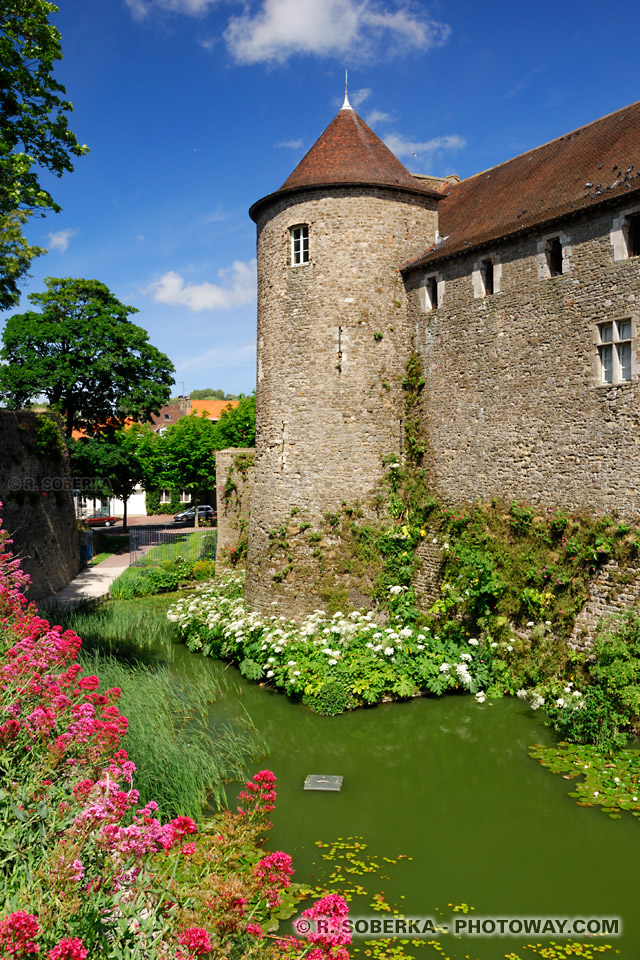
(519, 288)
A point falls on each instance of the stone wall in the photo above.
(234, 478)
(38, 509)
(333, 342)
(612, 591)
(428, 576)
(514, 407)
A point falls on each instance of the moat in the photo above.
(448, 782)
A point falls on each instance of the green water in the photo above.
(449, 782)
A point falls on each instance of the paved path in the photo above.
(93, 582)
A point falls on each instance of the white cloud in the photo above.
(238, 287)
(377, 116)
(194, 8)
(357, 97)
(292, 144)
(283, 28)
(422, 148)
(60, 240)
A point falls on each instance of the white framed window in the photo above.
(165, 496)
(614, 340)
(625, 235)
(431, 293)
(486, 276)
(185, 496)
(299, 244)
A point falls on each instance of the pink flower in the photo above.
(255, 930)
(17, 934)
(188, 849)
(70, 948)
(197, 941)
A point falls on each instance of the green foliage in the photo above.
(34, 132)
(208, 393)
(251, 669)
(154, 507)
(208, 546)
(329, 698)
(16, 256)
(237, 425)
(47, 438)
(377, 336)
(144, 581)
(87, 358)
(112, 461)
(521, 517)
(609, 710)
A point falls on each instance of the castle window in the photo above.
(486, 268)
(431, 293)
(625, 235)
(614, 351)
(299, 244)
(633, 235)
(554, 256)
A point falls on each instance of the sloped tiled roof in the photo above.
(577, 171)
(348, 152)
(212, 408)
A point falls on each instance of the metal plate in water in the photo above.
(322, 781)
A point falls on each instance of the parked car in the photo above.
(205, 512)
(100, 520)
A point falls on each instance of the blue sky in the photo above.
(193, 109)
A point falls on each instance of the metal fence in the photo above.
(150, 546)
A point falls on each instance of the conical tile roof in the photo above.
(349, 152)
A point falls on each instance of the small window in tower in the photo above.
(633, 235)
(554, 257)
(299, 244)
(487, 276)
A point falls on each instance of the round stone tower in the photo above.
(333, 343)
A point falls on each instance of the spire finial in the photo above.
(346, 105)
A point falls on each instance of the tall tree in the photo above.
(34, 130)
(112, 462)
(85, 356)
(237, 425)
(188, 452)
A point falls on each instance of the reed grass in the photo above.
(129, 630)
(182, 754)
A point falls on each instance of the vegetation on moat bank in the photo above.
(181, 763)
(87, 870)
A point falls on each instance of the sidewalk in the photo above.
(93, 582)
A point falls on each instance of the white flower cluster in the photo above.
(295, 654)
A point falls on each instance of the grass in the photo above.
(182, 758)
(130, 630)
(195, 545)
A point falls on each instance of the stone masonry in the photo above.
(504, 283)
(37, 506)
(234, 476)
(611, 592)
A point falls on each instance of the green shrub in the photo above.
(330, 699)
